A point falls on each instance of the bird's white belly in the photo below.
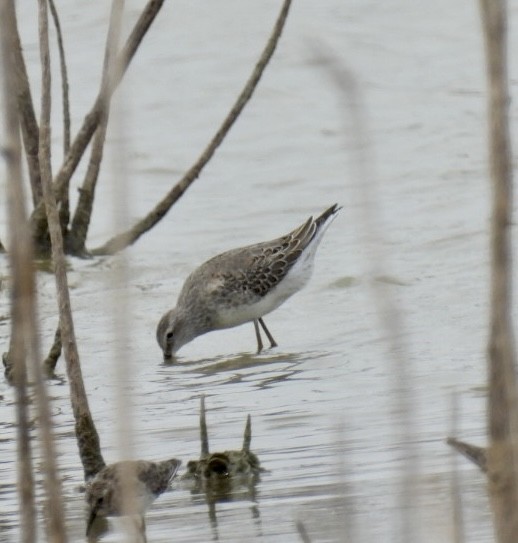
(296, 279)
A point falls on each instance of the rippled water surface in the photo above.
(324, 403)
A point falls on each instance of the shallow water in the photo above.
(324, 403)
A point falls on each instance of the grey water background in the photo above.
(323, 403)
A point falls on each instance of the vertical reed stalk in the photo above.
(22, 283)
(502, 404)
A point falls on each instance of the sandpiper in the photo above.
(243, 285)
(104, 493)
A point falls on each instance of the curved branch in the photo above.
(93, 118)
(502, 395)
(64, 211)
(123, 240)
(22, 277)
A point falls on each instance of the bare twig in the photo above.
(64, 210)
(129, 237)
(93, 118)
(22, 278)
(477, 455)
(88, 440)
(77, 236)
(502, 400)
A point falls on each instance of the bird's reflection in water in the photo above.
(223, 477)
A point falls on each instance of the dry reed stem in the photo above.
(123, 240)
(88, 440)
(502, 405)
(81, 220)
(355, 120)
(93, 118)
(22, 281)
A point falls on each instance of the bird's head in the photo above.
(172, 333)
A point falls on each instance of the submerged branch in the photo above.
(123, 240)
(93, 118)
(55, 352)
(477, 455)
(88, 440)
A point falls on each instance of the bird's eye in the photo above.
(169, 336)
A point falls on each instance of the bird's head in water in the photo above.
(173, 332)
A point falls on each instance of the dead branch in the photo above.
(22, 285)
(502, 407)
(64, 210)
(303, 533)
(28, 122)
(93, 118)
(87, 437)
(55, 518)
(75, 243)
(123, 240)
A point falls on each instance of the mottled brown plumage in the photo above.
(242, 285)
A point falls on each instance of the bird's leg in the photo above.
(258, 336)
(267, 332)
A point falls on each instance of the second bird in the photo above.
(243, 285)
